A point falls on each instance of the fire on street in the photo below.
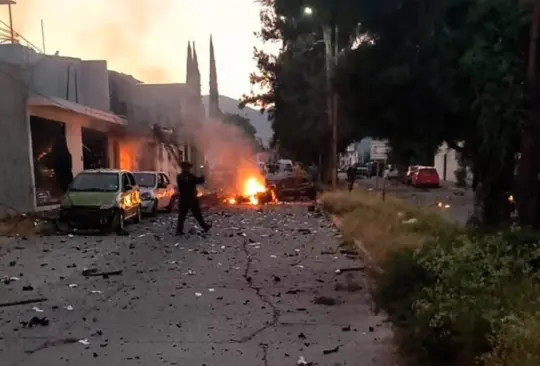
(268, 286)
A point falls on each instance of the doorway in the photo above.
(52, 161)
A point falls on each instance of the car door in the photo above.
(127, 196)
(160, 191)
(135, 193)
(169, 191)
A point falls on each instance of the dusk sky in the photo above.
(148, 38)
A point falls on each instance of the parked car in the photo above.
(392, 173)
(361, 170)
(426, 177)
(101, 199)
(157, 192)
(410, 172)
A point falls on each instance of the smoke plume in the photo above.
(227, 148)
(114, 30)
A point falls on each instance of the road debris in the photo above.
(324, 300)
(96, 273)
(22, 302)
(38, 310)
(352, 269)
(302, 361)
(35, 321)
(330, 351)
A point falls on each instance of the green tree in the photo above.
(434, 71)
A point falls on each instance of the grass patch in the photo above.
(384, 226)
(456, 297)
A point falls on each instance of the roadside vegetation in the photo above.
(456, 297)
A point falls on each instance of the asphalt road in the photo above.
(251, 293)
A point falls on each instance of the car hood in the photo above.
(90, 199)
(146, 189)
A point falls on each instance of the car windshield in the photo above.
(96, 182)
(145, 180)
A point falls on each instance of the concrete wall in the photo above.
(94, 85)
(70, 78)
(16, 167)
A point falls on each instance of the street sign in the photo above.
(379, 150)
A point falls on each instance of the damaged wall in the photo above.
(16, 178)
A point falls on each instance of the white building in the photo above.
(446, 162)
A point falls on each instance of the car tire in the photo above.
(138, 216)
(120, 225)
(154, 211)
(173, 204)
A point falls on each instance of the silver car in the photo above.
(157, 192)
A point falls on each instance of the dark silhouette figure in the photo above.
(62, 163)
(187, 189)
(351, 177)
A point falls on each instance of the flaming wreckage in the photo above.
(255, 189)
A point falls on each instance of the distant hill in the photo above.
(258, 120)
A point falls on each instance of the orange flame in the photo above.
(252, 187)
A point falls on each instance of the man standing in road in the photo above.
(187, 188)
(351, 177)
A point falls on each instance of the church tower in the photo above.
(213, 100)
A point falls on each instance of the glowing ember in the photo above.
(231, 201)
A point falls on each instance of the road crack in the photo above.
(258, 291)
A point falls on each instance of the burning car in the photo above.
(255, 191)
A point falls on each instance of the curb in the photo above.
(338, 224)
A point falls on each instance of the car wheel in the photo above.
(173, 204)
(120, 222)
(154, 208)
(138, 216)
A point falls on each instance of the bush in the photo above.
(456, 297)
(464, 287)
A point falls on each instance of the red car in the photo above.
(426, 177)
(410, 172)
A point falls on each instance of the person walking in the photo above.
(351, 177)
(187, 188)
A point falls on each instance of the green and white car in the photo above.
(101, 199)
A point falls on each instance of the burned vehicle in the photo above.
(295, 187)
(101, 199)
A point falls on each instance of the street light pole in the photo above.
(330, 38)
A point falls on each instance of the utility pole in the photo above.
(330, 36)
(529, 165)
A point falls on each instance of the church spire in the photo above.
(214, 94)
(189, 65)
(196, 72)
